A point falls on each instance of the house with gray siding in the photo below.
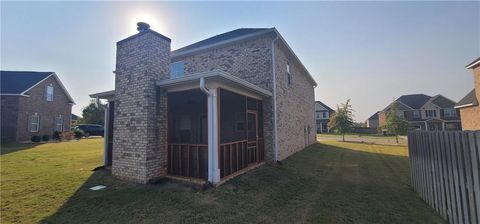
(208, 111)
(322, 117)
(33, 103)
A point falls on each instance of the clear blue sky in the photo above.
(370, 52)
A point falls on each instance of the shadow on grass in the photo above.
(322, 183)
(15, 147)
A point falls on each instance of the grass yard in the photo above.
(331, 182)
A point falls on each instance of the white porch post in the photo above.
(213, 170)
(105, 134)
(426, 126)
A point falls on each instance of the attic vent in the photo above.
(142, 27)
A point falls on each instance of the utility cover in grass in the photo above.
(98, 187)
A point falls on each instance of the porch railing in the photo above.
(188, 160)
(235, 156)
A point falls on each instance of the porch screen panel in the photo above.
(187, 134)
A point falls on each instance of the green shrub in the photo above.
(36, 138)
(45, 138)
(78, 133)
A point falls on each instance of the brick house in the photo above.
(322, 117)
(372, 121)
(425, 112)
(33, 103)
(468, 106)
(207, 111)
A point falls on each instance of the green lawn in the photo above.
(331, 182)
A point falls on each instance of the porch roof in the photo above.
(107, 95)
(214, 79)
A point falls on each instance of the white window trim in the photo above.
(30, 123)
(417, 115)
(174, 74)
(46, 93)
(60, 118)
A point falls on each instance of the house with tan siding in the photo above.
(208, 111)
(469, 105)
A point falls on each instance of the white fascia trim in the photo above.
(107, 95)
(474, 64)
(14, 94)
(210, 75)
(58, 81)
(464, 105)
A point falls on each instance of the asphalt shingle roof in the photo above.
(326, 107)
(15, 82)
(219, 38)
(442, 101)
(469, 99)
(415, 101)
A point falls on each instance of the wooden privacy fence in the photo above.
(445, 169)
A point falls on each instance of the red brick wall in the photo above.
(47, 110)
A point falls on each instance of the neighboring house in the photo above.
(322, 117)
(33, 103)
(425, 112)
(372, 121)
(469, 106)
(207, 111)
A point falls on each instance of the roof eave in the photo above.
(473, 64)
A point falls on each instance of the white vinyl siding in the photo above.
(177, 69)
(34, 123)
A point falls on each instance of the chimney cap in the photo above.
(142, 26)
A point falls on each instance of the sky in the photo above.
(369, 52)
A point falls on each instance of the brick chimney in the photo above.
(139, 136)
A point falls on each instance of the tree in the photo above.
(342, 120)
(394, 123)
(93, 113)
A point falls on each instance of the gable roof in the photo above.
(219, 38)
(442, 102)
(20, 82)
(374, 116)
(414, 101)
(469, 100)
(325, 106)
(473, 64)
(16, 82)
(237, 35)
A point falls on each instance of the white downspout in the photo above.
(274, 77)
(106, 130)
(213, 170)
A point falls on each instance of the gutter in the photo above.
(274, 76)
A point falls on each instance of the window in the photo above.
(450, 112)
(177, 69)
(416, 114)
(317, 115)
(185, 123)
(430, 113)
(34, 123)
(58, 123)
(400, 114)
(49, 93)
(325, 115)
(289, 75)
